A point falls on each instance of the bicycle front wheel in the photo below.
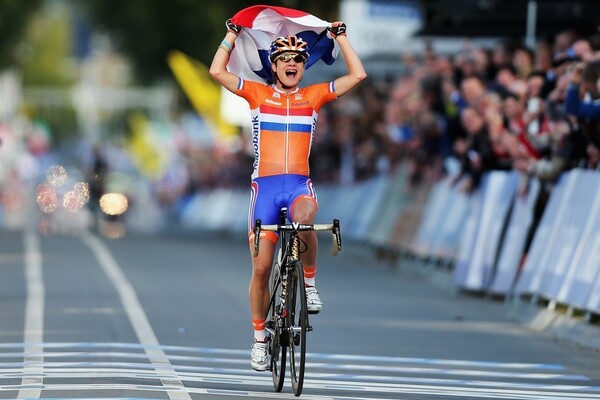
(277, 347)
(297, 325)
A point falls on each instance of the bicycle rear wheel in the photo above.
(298, 326)
(277, 347)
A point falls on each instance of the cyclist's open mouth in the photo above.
(291, 73)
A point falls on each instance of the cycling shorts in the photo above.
(271, 193)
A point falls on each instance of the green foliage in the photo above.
(146, 30)
(14, 15)
(45, 61)
(49, 47)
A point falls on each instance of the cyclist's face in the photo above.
(289, 68)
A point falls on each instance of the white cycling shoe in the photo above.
(259, 358)
(313, 300)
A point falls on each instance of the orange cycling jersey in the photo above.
(283, 125)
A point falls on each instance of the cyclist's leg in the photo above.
(262, 207)
(303, 209)
(259, 287)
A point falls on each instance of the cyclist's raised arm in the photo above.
(356, 72)
(218, 68)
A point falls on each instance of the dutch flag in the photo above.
(263, 24)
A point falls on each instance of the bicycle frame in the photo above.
(289, 241)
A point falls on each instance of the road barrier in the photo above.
(443, 221)
(562, 265)
(483, 234)
(564, 262)
(481, 238)
(367, 210)
(514, 241)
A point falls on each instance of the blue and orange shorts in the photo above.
(269, 194)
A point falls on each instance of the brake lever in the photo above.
(337, 237)
(256, 237)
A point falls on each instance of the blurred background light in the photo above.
(56, 175)
(113, 203)
(46, 198)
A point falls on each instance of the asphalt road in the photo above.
(166, 317)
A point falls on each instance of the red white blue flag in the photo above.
(263, 24)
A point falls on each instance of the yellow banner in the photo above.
(144, 147)
(203, 92)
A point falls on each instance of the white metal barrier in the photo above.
(563, 261)
(484, 234)
(475, 265)
(564, 264)
(366, 210)
(513, 244)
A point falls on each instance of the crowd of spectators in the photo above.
(504, 107)
(508, 107)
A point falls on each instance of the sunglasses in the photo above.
(286, 57)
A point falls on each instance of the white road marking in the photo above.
(214, 392)
(208, 374)
(378, 360)
(436, 361)
(243, 376)
(459, 392)
(138, 318)
(33, 336)
(397, 370)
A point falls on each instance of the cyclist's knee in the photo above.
(304, 211)
(262, 270)
(261, 276)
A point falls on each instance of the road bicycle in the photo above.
(287, 318)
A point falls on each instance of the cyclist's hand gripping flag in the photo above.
(263, 24)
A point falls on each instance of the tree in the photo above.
(49, 48)
(147, 30)
(14, 15)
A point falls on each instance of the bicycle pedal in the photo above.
(309, 328)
